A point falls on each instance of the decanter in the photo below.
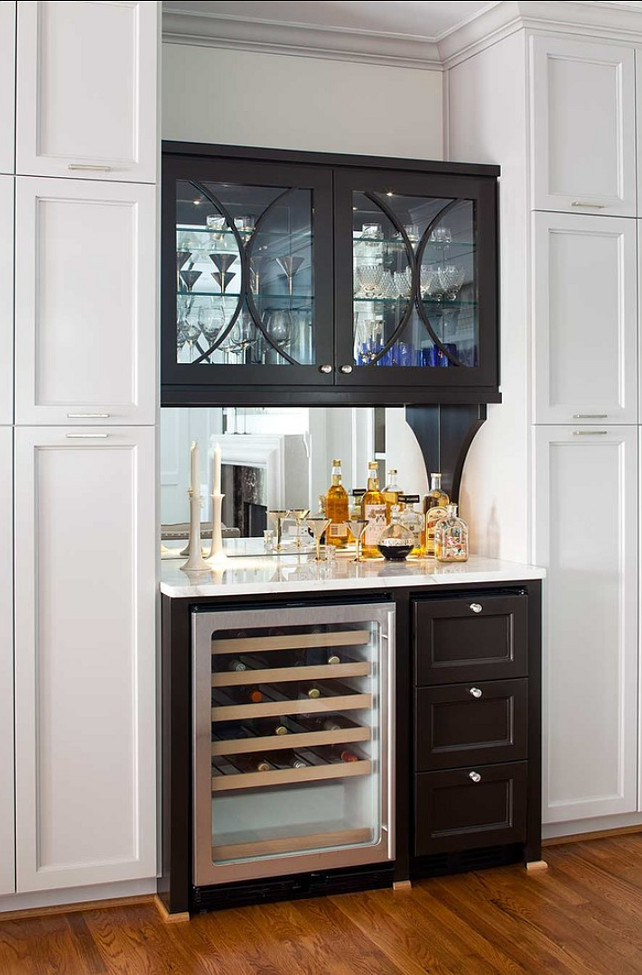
(451, 537)
(396, 541)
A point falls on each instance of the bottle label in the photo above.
(338, 530)
(375, 515)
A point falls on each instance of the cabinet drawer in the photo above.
(456, 811)
(483, 637)
(463, 723)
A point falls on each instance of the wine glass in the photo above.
(277, 515)
(279, 327)
(299, 515)
(317, 526)
(357, 527)
(191, 330)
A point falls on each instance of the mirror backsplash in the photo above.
(279, 457)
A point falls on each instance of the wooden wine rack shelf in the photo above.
(291, 844)
(311, 773)
(341, 736)
(295, 641)
(271, 709)
(290, 674)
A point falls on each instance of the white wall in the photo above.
(283, 101)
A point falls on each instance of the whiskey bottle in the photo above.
(391, 493)
(374, 512)
(436, 496)
(433, 515)
(357, 499)
(336, 508)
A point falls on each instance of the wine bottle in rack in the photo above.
(237, 665)
(264, 727)
(310, 690)
(336, 753)
(287, 759)
(337, 722)
(231, 732)
(251, 763)
(227, 696)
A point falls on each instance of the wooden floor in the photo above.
(583, 916)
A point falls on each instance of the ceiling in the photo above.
(417, 18)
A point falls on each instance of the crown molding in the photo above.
(300, 40)
(614, 22)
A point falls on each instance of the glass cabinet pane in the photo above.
(245, 283)
(415, 281)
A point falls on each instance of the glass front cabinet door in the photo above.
(322, 277)
(246, 248)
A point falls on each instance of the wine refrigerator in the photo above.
(293, 740)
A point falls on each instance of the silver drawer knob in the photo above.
(474, 777)
(346, 370)
(476, 607)
(325, 368)
(475, 692)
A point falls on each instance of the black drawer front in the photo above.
(475, 638)
(453, 812)
(464, 724)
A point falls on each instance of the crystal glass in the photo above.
(451, 537)
(216, 223)
(403, 282)
(317, 526)
(370, 278)
(357, 527)
(289, 266)
(190, 278)
(451, 278)
(441, 235)
(279, 327)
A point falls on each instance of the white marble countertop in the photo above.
(253, 574)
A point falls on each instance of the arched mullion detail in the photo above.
(419, 303)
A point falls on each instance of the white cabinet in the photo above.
(7, 85)
(585, 319)
(87, 91)
(7, 840)
(582, 126)
(6, 298)
(586, 523)
(85, 656)
(86, 308)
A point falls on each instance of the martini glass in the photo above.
(317, 526)
(357, 527)
(289, 266)
(299, 515)
(277, 515)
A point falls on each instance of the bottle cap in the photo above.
(373, 464)
(336, 463)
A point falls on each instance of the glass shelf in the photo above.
(244, 234)
(265, 296)
(427, 301)
(443, 245)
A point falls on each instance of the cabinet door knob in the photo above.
(346, 370)
(325, 368)
(474, 777)
(476, 607)
(475, 692)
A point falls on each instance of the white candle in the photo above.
(216, 470)
(194, 485)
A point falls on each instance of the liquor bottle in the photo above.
(436, 496)
(357, 499)
(374, 512)
(391, 493)
(415, 521)
(433, 515)
(336, 508)
(451, 537)
(287, 759)
(396, 541)
(251, 763)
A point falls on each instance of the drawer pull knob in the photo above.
(475, 691)
(474, 777)
(476, 607)
(346, 370)
(326, 368)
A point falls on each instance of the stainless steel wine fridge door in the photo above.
(293, 740)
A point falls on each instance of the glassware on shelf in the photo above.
(289, 266)
(182, 257)
(278, 515)
(317, 526)
(396, 541)
(216, 223)
(223, 260)
(412, 232)
(189, 278)
(451, 537)
(370, 277)
(279, 327)
(451, 278)
(244, 225)
(441, 235)
(357, 527)
(211, 318)
(403, 282)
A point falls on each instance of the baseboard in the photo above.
(78, 906)
(64, 900)
(598, 834)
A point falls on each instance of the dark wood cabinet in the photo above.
(314, 278)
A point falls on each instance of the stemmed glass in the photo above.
(289, 266)
(190, 278)
(317, 526)
(299, 515)
(277, 515)
(451, 278)
(357, 527)
(279, 326)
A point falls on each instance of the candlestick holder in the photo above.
(217, 554)
(195, 562)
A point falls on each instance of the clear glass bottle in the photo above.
(451, 537)
(396, 542)
(433, 515)
(436, 496)
(391, 492)
(336, 508)
(374, 512)
(415, 522)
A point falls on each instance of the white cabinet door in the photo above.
(7, 85)
(7, 839)
(586, 535)
(85, 656)
(582, 126)
(6, 298)
(87, 90)
(585, 319)
(86, 302)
